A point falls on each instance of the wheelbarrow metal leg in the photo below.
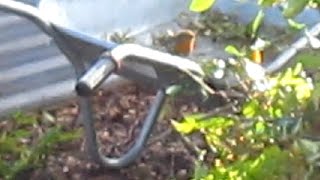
(126, 159)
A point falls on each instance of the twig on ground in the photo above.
(230, 107)
(159, 137)
(191, 147)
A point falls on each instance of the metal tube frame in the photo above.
(81, 50)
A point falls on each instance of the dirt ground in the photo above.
(119, 115)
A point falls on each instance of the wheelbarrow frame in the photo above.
(94, 60)
(85, 53)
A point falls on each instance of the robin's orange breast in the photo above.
(185, 42)
(257, 56)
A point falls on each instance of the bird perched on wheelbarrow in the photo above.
(184, 42)
(181, 43)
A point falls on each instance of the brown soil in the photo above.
(119, 115)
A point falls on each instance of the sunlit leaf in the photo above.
(216, 123)
(294, 8)
(290, 81)
(200, 5)
(278, 113)
(260, 127)
(251, 108)
(255, 24)
(296, 25)
(184, 127)
(234, 51)
(297, 69)
(287, 75)
(266, 2)
(303, 92)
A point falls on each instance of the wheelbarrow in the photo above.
(94, 61)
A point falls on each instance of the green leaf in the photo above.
(296, 25)
(185, 127)
(255, 24)
(278, 113)
(294, 8)
(216, 122)
(234, 51)
(54, 136)
(200, 171)
(266, 2)
(69, 135)
(18, 167)
(272, 163)
(251, 108)
(200, 5)
(21, 133)
(23, 119)
(5, 169)
(10, 145)
(260, 127)
(297, 69)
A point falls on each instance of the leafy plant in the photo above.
(18, 153)
(290, 9)
(272, 134)
(265, 139)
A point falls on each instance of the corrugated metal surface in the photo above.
(33, 72)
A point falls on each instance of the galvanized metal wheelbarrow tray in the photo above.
(94, 61)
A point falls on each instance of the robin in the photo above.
(184, 42)
(257, 56)
(257, 50)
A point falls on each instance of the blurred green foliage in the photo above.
(290, 9)
(22, 149)
(266, 139)
(275, 134)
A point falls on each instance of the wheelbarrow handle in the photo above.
(96, 74)
(282, 60)
(29, 12)
(136, 149)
